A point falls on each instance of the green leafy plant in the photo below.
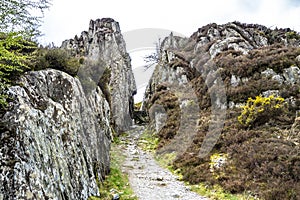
(16, 55)
(20, 15)
(260, 109)
(19, 22)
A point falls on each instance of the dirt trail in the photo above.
(149, 180)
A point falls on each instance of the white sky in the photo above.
(143, 22)
(66, 18)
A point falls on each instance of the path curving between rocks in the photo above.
(149, 180)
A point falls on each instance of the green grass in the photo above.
(217, 193)
(148, 141)
(212, 192)
(116, 180)
(166, 160)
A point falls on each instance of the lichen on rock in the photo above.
(56, 134)
(103, 46)
(56, 140)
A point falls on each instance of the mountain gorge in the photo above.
(224, 103)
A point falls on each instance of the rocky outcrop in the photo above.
(55, 140)
(194, 97)
(203, 46)
(206, 56)
(56, 134)
(103, 46)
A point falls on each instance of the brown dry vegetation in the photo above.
(276, 57)
(170, 103)
(264, 159)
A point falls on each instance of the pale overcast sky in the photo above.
(66, 18)
(143, 22)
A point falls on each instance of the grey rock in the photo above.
(298, 59)
(198, 53)
(177, 196)
(270, 92)
(295, 131)
(55, 140)
(292, 74)
(235, 80)
(116, 197)
(274, 76)
(104, 43)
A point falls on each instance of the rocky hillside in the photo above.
(56, 133)
(226, 101)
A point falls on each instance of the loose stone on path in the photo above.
(148, 179)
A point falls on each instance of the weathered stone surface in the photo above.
(210, 75)
(55, 137)
(184, 58)
(294, 134)
(290, 75)
(55, 141)
(104, 45)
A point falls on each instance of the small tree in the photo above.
(260, 110)
(154, 57)
(22, 15)
(16, 55)
(18, 25)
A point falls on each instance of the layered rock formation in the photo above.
(194, 98)
(55, 140)
(103, 46)
(56, 134)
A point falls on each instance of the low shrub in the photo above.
(292, 35)
(59, 59)
(169, 101)
(260, 110)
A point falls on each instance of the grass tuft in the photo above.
(116, 182)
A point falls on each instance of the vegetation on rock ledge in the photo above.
(261, 141)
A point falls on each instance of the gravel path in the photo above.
(148, 180)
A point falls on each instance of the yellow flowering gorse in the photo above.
(260, 107)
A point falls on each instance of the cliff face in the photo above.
(194, 99)
(56, 134)
(104, 47)
(55, 141)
